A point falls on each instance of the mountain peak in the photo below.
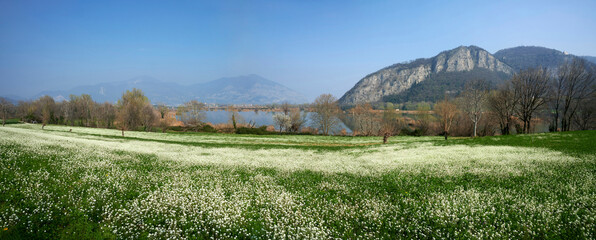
(250, 88)
(524, 57)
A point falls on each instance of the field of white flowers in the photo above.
(94, 183)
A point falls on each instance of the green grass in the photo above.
(11, 121)
(574, 143)
(94, 184)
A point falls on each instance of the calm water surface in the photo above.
(260, 118)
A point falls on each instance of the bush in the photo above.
(409, 132)
(262, 130)
(176, 128)
(207, 128)
(11, 121)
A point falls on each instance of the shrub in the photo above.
(207, 128)
(262, 130)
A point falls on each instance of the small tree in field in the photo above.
(192, 113)
(150, 117)
(283, 121)
(297, 119)
(365, 120)
(474, 99)
(233, 116)
(571, 88)
(446, 111)
(47, 107)
(503, 102)
(6, 108)
(423, 118)
(130, 109)
(165, 119)
(390, 123)
(532, 87)
(325, 112)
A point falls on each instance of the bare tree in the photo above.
(365, 121)
(297, 119)
(165, 119)
(423, 118)
(6, 108)
(163, 110)
(86, 105)
(573, 84)
(150, 117)
(502, 103)
(585, 117)
(285, 108)
(233, 116)
(283, 121)
(80, 109)
(474, 99)
(391, 123)
(106, 114)
(47, 106)
(531, 86)
(192, 113)
(70, 111)
(26, 111)
(446, 111)
(325, 112)
(130, 109)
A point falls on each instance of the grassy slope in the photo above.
(536, 186)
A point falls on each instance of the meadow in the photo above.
(88, 183)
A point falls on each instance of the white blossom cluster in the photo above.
(146, 187)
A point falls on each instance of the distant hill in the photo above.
(250, 89)
(427, 79)
(12, 98)
(245, 89)
(155, 90)
(590, 59)
(531, 57)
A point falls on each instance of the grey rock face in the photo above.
(400, 77)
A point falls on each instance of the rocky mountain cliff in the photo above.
(398, 78)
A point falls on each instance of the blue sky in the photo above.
(312, 46)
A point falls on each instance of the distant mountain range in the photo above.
(425, 79)
(249, 89)
(429, 79)
(590, 58)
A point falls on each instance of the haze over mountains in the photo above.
(249, 89)
(425, 79)
(428, 79)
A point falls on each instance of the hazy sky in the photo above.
(311, 46)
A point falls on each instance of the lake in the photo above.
(260, 118)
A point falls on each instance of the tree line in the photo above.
(132, 112)
(566, 99)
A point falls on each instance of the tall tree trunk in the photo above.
(475, 127)
(556, 121)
